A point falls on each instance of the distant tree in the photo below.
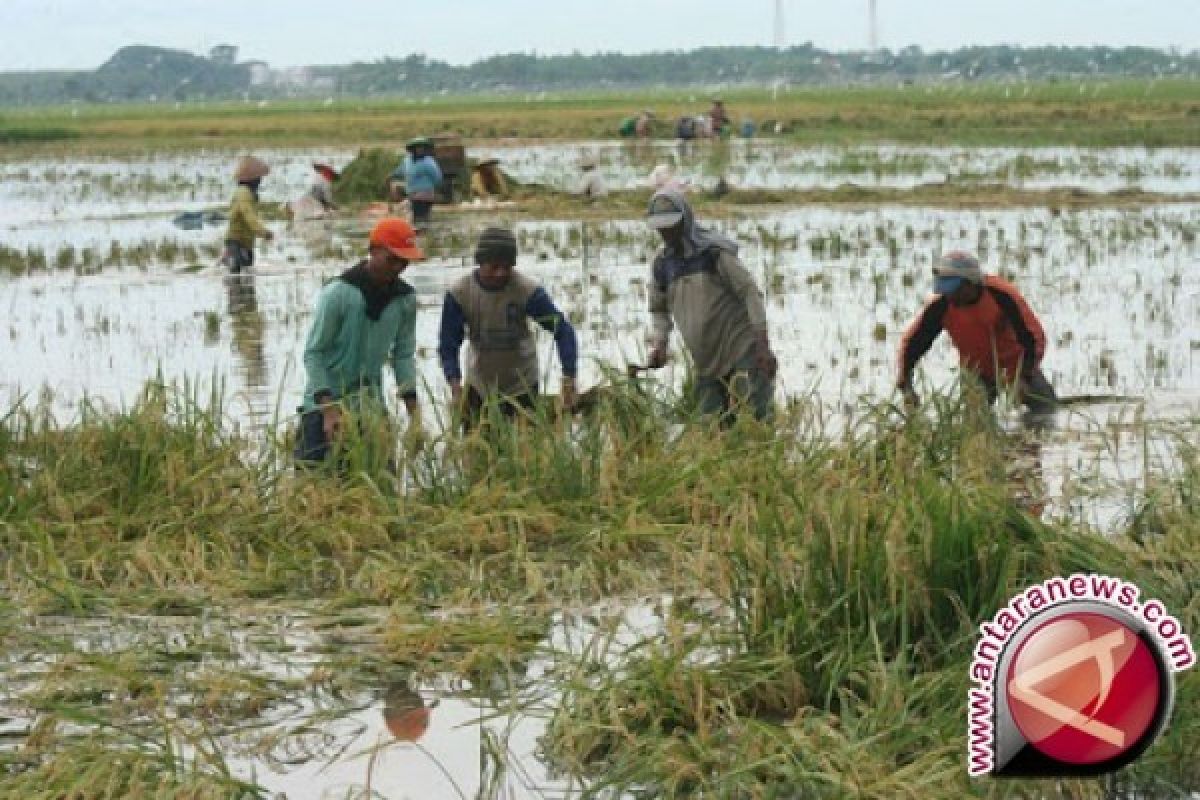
(139, 73)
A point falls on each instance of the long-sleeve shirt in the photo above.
(316, 202)
(346, 350)
(503, 356)
(997, 330)
(715, 303)
(244, 224)
(422, 176)
(322, 191)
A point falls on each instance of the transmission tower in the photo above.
(778, 24)
(873, 27)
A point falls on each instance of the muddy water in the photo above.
(767, 163)
(75, 189)
(1117, 291)
(309, 740)
(333, 718)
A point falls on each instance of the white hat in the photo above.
(660, 176)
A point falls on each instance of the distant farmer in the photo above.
(318, 200)
(491, 307)
(422, 178)
(244, 225)
(699, 284)
(364, 317)
(685, 128)
(592, 184)
(487, 181)
(718, 117)
(644, 125)
(663, 177)
(641, 125)
(322, 186)
(997, 336)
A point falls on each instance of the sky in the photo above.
(82, 34)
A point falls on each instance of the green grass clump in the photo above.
(79, 770)
(28, 134)
(365, 179)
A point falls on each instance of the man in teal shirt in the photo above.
(364, 317)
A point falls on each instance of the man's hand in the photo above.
(764, 359)
(657, 357)
(331, 422)
(567, 393)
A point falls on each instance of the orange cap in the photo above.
(398, 236)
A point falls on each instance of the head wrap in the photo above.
(496, 246)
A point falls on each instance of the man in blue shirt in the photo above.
(422, 178)
(491, 307)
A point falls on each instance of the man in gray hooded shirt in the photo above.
(700, 285)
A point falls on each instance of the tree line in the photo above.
(153, 74)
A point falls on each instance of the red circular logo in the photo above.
(1084, 688)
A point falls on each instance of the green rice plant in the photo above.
(479, 646)
(854, 573)
(212, 325)
(99, 772)
(11, 134)
(364, 179)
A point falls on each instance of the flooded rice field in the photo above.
(72, 189)
(287, 700)
(1118, 291)
(767, 164)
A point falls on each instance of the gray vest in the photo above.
(503, 354)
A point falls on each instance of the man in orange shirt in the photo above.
(997, 336)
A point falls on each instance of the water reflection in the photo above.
(1026, 475)
(641, 153)
(405, 713)
(248, 326)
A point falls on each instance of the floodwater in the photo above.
(327, 718)
(1117, 290)
(769, 164)
(61, 190)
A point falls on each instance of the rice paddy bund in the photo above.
(628, 604)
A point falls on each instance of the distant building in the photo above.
(290, 78)
(223, 54)
(260, 73)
